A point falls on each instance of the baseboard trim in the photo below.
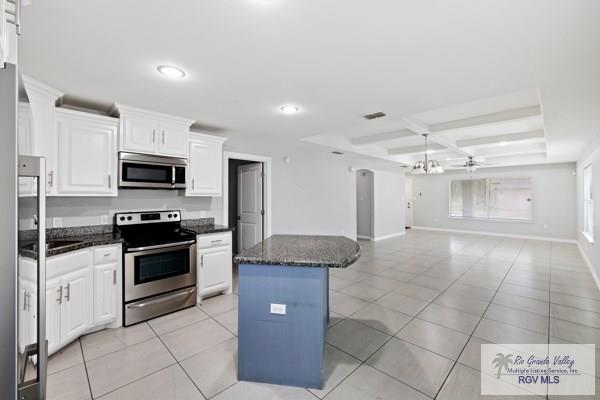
(589, 265)
(364, 237)
(393, 235)
(550, 239)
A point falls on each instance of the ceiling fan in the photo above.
(471, 165)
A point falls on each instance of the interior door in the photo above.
(250, 205)
(408, 200)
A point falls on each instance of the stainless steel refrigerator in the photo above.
(23, 347)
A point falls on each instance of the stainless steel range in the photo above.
(159, 264)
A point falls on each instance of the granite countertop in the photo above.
(302, 250)
(80, 237)
(204, 226)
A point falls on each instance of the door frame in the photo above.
(227, 155)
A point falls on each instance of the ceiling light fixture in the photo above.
(289, 109)
(171, 72)
(428, 166)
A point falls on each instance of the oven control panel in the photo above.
(147, 217)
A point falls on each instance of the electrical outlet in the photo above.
(57, 222)
(278, 309)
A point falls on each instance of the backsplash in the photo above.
(87, 211)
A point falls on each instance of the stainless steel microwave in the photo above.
(152, 172)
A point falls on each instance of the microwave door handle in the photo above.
(173, 175)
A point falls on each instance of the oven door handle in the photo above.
(162, 299)
(161, 246)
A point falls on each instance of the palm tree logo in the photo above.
(502, 361)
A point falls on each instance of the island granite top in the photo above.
(302, 250)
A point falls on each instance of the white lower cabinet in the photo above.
(82, 295)
(214, 261)
(76, 310)
(105, 293)
(53, 306)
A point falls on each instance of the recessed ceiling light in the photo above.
(171, 72)
(289, 109)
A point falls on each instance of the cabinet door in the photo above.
(139, 134)
(205, 169)
(25, 139)
(77, 310)
(86, 156)
(24, 314)
(173, 140)
(53, 306)
(105, 293)
(3, 34)
(214, 273)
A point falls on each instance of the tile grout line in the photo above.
(480, 319)
(414, 317)
(86, 371)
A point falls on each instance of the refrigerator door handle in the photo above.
(35, 167)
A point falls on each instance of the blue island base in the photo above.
(277, 346)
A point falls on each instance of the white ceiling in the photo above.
(421, 62)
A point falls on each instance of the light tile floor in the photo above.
(407, 322)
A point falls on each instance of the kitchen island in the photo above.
(283, 291)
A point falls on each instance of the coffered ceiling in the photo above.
(510, 81)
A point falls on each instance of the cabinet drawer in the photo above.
(103, 255)
(213, 240)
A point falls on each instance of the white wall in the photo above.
(554, 202)
(590, 250)
(314, 194)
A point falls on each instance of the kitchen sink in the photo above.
(53, 244)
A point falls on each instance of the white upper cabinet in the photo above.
(205, 166)
(87, 154)
(8, 33)
(138, 134)
(25, 147)
(148, 132)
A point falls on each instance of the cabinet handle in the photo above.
(16, 21)
(216, 241)
(25, 301)
(68, 290)
(202, 260)
(163, 137)
(51, 178)
(114, 277)
(59, 291)
(109, 181)
(193, 184)
(153, 135)
(28, 301)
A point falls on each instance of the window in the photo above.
(468, 198)
(510, 198)
(493, 198)
(588, 204)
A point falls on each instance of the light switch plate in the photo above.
(278, 309)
